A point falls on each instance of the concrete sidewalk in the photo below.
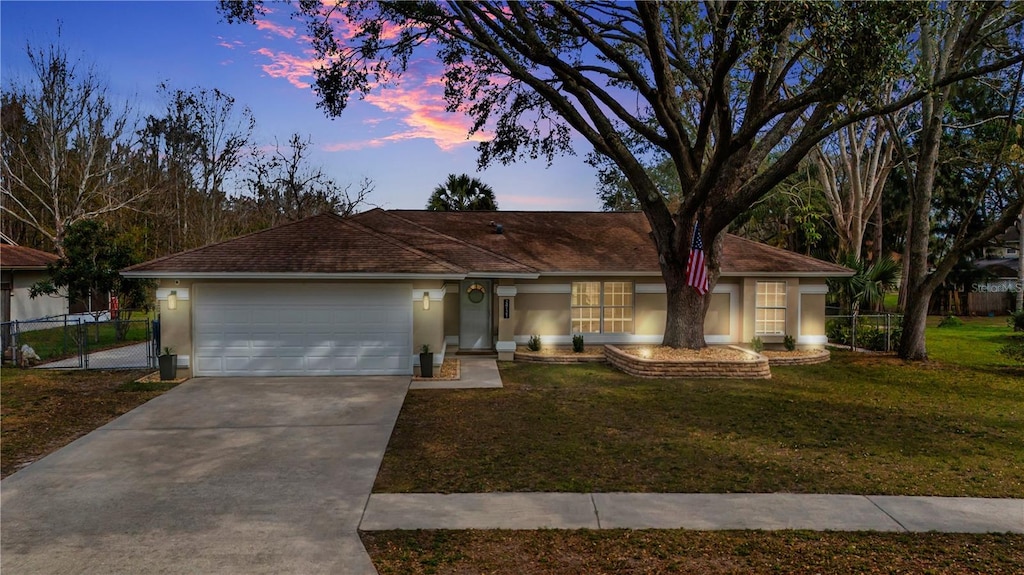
(134, 356)
(702, 511)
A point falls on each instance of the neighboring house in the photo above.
(20, 267)
(360, 295)
(996, 293)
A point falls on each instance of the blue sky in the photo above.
(401, 139)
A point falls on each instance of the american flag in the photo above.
(696, 269)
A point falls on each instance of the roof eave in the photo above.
(24, 268)
(836, 274)
(288, 275)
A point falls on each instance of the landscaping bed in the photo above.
(710, 362)
(559, 552)
(557, 355)
(450, 370)
(797, 357)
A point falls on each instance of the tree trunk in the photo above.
(685, 307)
(684, 321)
(1020, 262)
(912, 342)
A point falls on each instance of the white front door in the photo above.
(475, 314)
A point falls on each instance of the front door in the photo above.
(475, 314)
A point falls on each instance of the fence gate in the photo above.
(72, 343)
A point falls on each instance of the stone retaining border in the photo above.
(754, 368)
(821, 357)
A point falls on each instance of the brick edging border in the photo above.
(756, 367)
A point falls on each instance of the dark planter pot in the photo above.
(168, 367)
(426, 365)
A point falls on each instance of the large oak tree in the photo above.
(736, 94)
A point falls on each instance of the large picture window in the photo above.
(602, 307)
(771, 309)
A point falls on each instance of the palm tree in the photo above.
(461, 193)
(868, 285)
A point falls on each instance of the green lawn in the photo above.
(698, 552)
(974, 344)
(59, 342)
(858, 424)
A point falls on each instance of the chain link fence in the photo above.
(872, 332)
(74, 343)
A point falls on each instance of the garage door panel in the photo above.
(302, 329)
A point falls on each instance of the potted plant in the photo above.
(168, 364)
(426, 361)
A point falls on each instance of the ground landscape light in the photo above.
(426, 300)
(172, 300)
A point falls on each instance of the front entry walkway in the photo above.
(232, 475)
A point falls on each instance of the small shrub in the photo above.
(789, 342)
(837, 331)
(1014, 350)
(534, 344)
(950, 321)
(577, 343)
(1016, 320)
(757, 344)
(871, 338)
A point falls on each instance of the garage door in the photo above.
(302, 329)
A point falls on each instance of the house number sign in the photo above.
(505, 308)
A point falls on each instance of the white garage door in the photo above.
(302, 329)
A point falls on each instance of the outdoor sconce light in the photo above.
(426, 300)
(172, 300)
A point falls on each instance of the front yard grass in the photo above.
(862, 424)
(44, 410)
(698, 552)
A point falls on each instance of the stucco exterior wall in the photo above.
(812, 314)
(451, 309)
(176, 324)
(23, 307)
(813, 294)
(428, 325)
(649, 313)
(716, 322)
(542, 314)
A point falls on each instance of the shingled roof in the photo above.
(380, 242)
(324, 244)
(13, 257)
(601, 242)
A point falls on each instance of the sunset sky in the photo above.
(401, 138)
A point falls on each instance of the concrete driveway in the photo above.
(239, 475)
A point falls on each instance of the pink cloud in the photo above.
(419, 108)
(229, 44)
(294, 69)
(283, 31)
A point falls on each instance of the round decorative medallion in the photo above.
(475, 293)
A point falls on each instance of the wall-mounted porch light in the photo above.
(172, 300)
(426, 300)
